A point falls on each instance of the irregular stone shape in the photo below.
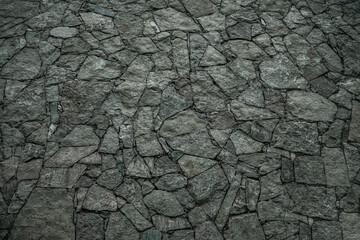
(97, 22)
(112, 45)
(281, 6)
(22, 9)
(183, 123)
(110, 143)
(322, 230)
(151, 235)
(170, 19)
(243, 111)
(226, 79)
(350, 223)
(166, 224)
(24, 65)
(144, 45)
(204, 185)
(213, 22)
(64, 32)
(89, 225)
(193, 166)
(81, 135)
(172, 102)
(10, 47)
(138, 168)
(354, 133)
(119, 227)
(50, 18)
(244, 144)
(148, 145)
(197, 144)
(75, 45)
(95, 68)
(306, 57)
(207, 230)
(323, 86)
(67, 156)
(164, 203)
(29, 170)
(311, 106)
(246, 49)
(128, 25)
(130, 190)
(309, 170)
(11, 136)
(181, 57)
(61, 177)
(243, 68)
(212, 57)
(332, 60)
(164, 165)
(314, 201)
(99, 199)
(335, 167)
(351, 84)
(271, 185)
(352, 155)
(135, 217)
(246, 226)
(279, 72)
(241, 30)
(297, 136)
(110, 178)
(47, 214)
(182, 235)
(8, 168)
(171, 182)
(200, 8)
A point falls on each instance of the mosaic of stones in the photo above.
(180, 119)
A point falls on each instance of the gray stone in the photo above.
(297, 136)
(193, 166)
(309, 170)
(184, 197)
(96, 22)
(138, 168)
(352, 155)
(61, 177)
(89, 225)
(171, 182)
(95, 68)
(245, 227)
(24, 65)
(212, 57)
(128, 25)
(170, 19)
(119, 227)
(204, 185)
(112, 45)
(207, 230)
(335, 167)
(81, 135)
(67, 156)
(332, 60)
(8, 169)
(354, 133)
(271, 186)
(240, 31)
(199, 8)
(75, 45)
(164, 165)
(47, 214)
(244, 144)
(350, 225)
(323, 86)
(310, 106)
(110, 179)
(166, 224)
(243, 68)
(29, 170)
(213, 22)
(64, 32)
(11, 136)
(182, 235)
(144, 45)
(243, 111)
(246, 49)
(99, 199)
(110, 143)
(151, 235)
(351, 84)
(130, 190)
(279, 72)
(342, 98)
(135, 217)
(164, 203)
(322, 230)
(181, 57)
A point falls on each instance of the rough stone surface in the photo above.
(179, 119)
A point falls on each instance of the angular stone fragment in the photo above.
(335, 167)
(47, 214)
(67, 156)
(166, 224)
(151, 235)
(322, 230)
(204, 185)
(138, 168)
(89, 225)
(148, 145)
(193, 166)
(271, 185)
(181, 57)
(24, 65)
(99, 199)
(354, 133)
(61, 177)
(311, 106)
(243, 68)
(332, 60)
(309, 170)
(199, 8)
(164, 203)
(110, 178)
(244, 144)
(119, 227)
(213, 22)
(11, 136)
(297, 137)
(95, 68)
(171, 182)
(97, 22)
(170, 19)
(212, 57)
(246, 227)
(350, 223)
(81, 135)
(246, 49)
(29, 170)
(240, 31)
(135, 217)
(110, 143)
(207, 231)
(63, 32)
(243, 111)
(279, 72)
(144, 45)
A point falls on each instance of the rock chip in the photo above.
(64, 32)
(244, 144)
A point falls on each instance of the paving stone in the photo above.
(95, 68)
(171, 182)
(61, 177)
(245, 226)
(99, 199)
(135, 217)
(349, 223)
(81, 135)
(63, 32)
(309, 170)
(120, 227)
(89, 225)
(166, 224)
(326, 229)
(110, 143)
(335, 167)
(164, 203)
(67, 156)
(244, 144)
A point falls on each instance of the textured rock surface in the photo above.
(180, 119)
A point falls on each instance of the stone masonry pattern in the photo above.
(179, 119)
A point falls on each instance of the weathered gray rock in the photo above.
(135, 217)
(207, 230)
(200, 8)
(297, 137)
(245, 226)
(64, 32)
(354, 133)
(351, 84)
(29, 170)
(99, 199)
(241, 30)
(151, 235)
(245, 144)
(335, 167)
(332, 60)
(213, 22)
(171, 182)
(170, 19)
(67, 156)
(271, 186)
(181, 57)
(138, 168)
(279, 72)
(164, 203)
(243, 68)
(11, 136)
(119, 227)
(204, 185)
(61, 177)
(101, 26)
(193, 166)
(81, 135)
(47, 214)
(144, 45)
(322, 230)
(212, 57)
(95, 68)
(309, 170)
(311, 106)
(89, 225)
(24, 65)
(110, 143)
(166, 224)
(110, 179)
(243, 111)
(350, 225)
(246, 49)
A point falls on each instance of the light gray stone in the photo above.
(193, 166)
(170, 19)
(164, 203)
(166, 224)
(67, 156)
(61, 177)
(99, 199)
(245, 144)
(64, 32)
(95, 68)
(119, 227)
(110, 143)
